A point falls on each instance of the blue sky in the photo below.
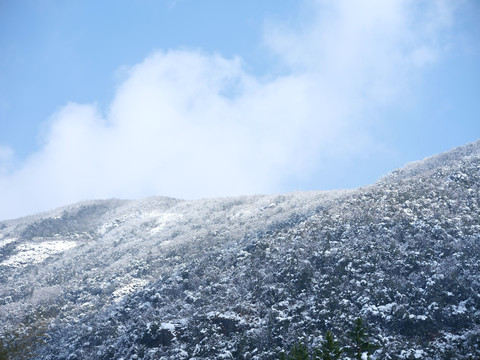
(195, 99)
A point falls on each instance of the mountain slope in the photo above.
(247, 277)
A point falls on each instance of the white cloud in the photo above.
(189, 124)
(6, 158)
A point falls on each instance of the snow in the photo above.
(167, 326)
(382, 310)
(33, 252)
(418, 354)
(129, 288)
(460, 308)
(6, 241)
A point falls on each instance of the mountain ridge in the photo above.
(408, 170)
(431, 162)
(247, 277)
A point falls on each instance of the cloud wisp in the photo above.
(190, 124)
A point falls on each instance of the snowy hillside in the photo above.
(248, 277)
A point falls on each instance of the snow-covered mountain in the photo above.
(247, 277)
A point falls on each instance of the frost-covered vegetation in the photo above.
(249, 277)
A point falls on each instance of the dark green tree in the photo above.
(329, 350)
(359, 345)
(297, 352)
(360, 341)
